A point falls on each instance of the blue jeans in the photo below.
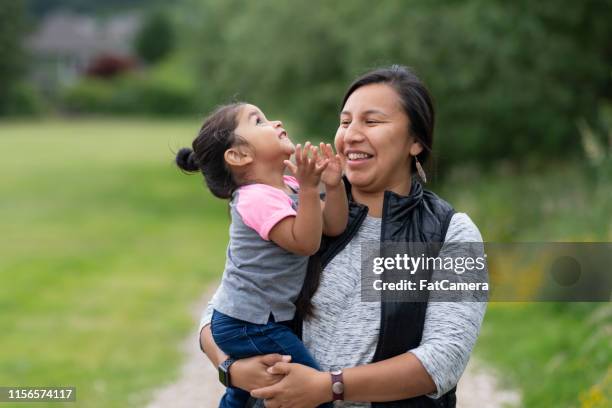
(241, 339)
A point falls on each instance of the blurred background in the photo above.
(105, 246)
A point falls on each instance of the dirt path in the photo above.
(198, 386)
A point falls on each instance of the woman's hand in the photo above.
(301, 387)
(251, 373)
(332, 175)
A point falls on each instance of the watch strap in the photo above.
(337, 385)
(224, 375)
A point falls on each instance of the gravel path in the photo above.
(198, 385)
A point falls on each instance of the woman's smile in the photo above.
(357, 158)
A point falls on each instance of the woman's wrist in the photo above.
(324, 387)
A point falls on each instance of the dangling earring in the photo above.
(420, 169)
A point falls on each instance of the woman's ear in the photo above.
(416, 148)
(237, 157)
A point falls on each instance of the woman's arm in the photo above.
(249, 373)
(393, 379)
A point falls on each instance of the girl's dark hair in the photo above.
(417, 104)
(414, 97)
(207, 156)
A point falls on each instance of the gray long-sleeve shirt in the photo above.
(345, 330)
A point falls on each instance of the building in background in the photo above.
(66, 46)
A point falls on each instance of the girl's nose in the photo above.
(278, 123)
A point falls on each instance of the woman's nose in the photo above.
(353, 135)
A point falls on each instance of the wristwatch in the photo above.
(337, 385)
(224, 375)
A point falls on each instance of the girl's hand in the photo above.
(307, 170)
(251, 373)
(302, 387)
(332, 175)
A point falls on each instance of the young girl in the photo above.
(243, 156)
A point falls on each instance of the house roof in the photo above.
(68, 34)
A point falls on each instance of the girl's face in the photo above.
(267, 140)
(373, 139)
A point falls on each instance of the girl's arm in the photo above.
(335, 207)
(302, 234)
(335, 210)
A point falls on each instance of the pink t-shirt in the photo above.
(262, 206)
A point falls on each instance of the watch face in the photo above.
(338, 388)
(224, 371)
(337, 372)
(222, 377)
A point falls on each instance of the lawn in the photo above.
(106, 246)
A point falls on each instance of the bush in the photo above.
(88, 96)
(24, 100)
(130, 94)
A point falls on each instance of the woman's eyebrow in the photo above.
(374, 111)
(368, 112)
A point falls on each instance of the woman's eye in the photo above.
(345, 123)
(371, 122)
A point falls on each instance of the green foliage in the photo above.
(156, 39)
(89, 95)
(12, 61)
(165, 91)
(510, 79)
(556, 354)
(24, 100)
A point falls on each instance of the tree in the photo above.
(11, 53)
(509, 79)
(156, 38)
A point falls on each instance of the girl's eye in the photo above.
(345, 123)
(371, 122)
(258, 121)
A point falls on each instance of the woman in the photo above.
(391, 354)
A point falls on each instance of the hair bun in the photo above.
(185, 160)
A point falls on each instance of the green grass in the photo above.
(559, 355)
(105, 246)
(556, 354)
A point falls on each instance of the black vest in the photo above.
(419, 217)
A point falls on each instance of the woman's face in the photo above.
(374, 141)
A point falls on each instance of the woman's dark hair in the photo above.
(417, 104)
(414, 97)
(207, 156)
